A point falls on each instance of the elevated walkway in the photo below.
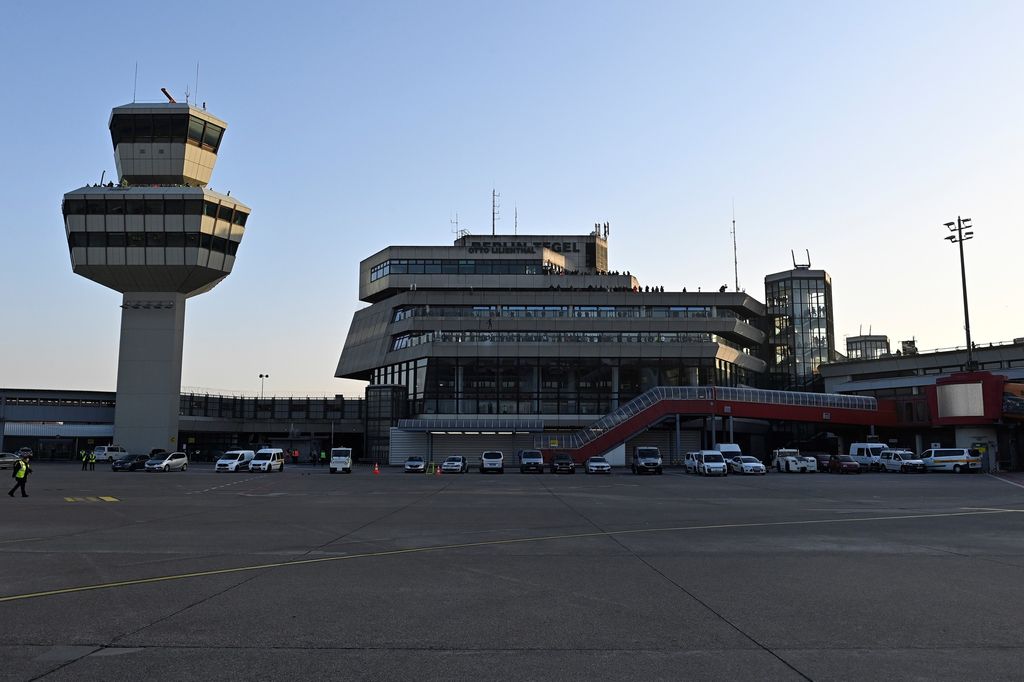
(652, 406)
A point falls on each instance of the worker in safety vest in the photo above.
(85, 459)
(21, 472)
(92, 461)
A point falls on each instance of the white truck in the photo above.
(341, 460)
(790, 460)
(646, 459)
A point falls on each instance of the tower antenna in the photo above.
(735, 261)
(195, 93)
(516, 224)
(494, 209)
(135, 84)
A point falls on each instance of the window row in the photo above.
(165, 128)
(120, 205)
(442, 266)
(467, 336)
(555, 311)
(199, 240)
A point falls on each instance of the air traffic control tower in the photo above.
(158, 236)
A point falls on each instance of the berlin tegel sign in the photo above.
(523, 247)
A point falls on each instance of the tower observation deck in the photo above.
(158, 236)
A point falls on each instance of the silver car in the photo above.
(745, 464)
(415, 465)
(7, 460)
(597, 465)
(167, 461)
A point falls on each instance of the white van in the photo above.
(341, 460)
(234, 460)
(952, 459)
(706, 463)
(267, 460)
(867, 455)
(108, 453)
(903, 461)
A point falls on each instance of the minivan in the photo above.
(267, 460)
(952, 459)
(492, 460)
(167, 461)
(108, 453)
(234, 460)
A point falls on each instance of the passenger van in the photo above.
(108, 453)
(234, 460)
(867, 455)
(952, 459)
(341, 460)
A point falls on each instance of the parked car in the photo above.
(24, 452)
(745, 464)
(234, 461)
(7, 460)
(167, 461)
(129, 463)
(492, 461)
(563, 463)
(867, 455)
(597, 465)
(820, 459)
(790, 460)
(267, 460)
(646, 459)
(456, 464)
(903, 461)
(341, 460)
(108, 453)
(843, 464)
(531, 460)
(415, 465)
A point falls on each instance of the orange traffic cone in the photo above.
(437, 471)
(376, 469)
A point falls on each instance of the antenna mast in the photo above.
(195, 93)
(516, 228)
(135, 84)
(494, 210)
(735, 261)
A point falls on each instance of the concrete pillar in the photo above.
(679, 441)
(732, 438)
(459, 408)
(149, 371)
(918, 443)
(615, 387)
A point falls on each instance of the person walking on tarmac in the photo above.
(92, 461)
(323, 457)
(21, 472)
(85, 460)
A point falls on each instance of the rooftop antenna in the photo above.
(195, 93)
(516, 224)
(801, 266)
(135, 85)
(168, 95)
(494, 210)
(607, 229)
(735, 261)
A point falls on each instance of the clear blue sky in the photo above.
(853, 130)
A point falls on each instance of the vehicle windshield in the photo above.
(598, 460)
(454, 460)
(262, 455)
(158, 458)
(344, 453)
(845, 458)
(531, 455)
(415, 460)
(713, 458)
(750, 460)
(563, 458)
(126, 458)
(492, 455)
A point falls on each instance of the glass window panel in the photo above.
(115, 206)
(74, 207)
(143, 127)
(193, 206)
(175, 238)
(154, 239)
(178, 127)
(211, 138)
(96, 238)
(94, 206)
(154, 206)
(121, 129)
(210, 209)
(205, 240)
(135, 206)
(174, 206)
(224, 213)
(77, 238)
(195, 130)
(136, 238)
(116, 239)
(239, 217)
(191, 239)
(161, 128)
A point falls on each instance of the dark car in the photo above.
(129, 463)
(563, 463)
(843, 464)
(821, 457)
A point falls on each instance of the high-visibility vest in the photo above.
(22, 470)
(92, 457)
(84, 456)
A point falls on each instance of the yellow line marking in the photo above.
(92, 499)
(69, 499)
(109, 499)
(469, 545)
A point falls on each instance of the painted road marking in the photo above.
(101, 498)
(471, 545)
(1005, 480)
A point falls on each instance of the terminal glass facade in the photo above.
(800, 328)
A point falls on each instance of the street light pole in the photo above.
(264, 377)
(962, 234)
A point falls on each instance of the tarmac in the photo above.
(302, 574)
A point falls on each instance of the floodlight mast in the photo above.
(962, 232)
